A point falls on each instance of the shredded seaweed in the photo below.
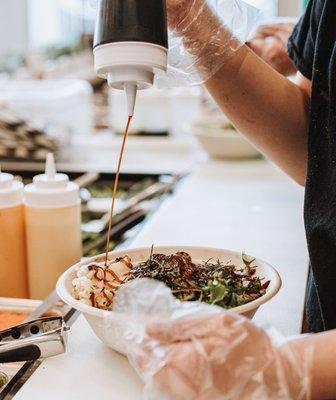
(212, 282)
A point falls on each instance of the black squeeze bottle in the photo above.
(130, 44)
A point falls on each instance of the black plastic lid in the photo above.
(131, 20)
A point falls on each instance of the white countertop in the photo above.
(248, 206)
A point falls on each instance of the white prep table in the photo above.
(248, 206)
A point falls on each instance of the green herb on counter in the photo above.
(3, 379)
(105, 191)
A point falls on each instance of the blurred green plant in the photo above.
(10, 63)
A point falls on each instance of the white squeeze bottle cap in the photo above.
(11, 191)
(51, 190)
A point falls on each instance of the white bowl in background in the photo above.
(223, 142)
(95, 316)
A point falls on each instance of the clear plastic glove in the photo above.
(220, 357)
(203, 35)
(191, 350)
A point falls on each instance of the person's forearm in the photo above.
(266, 107)
(323, 366)
(263, 105)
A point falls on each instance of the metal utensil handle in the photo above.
(145, 194)
(24, 353)
(133, 202)
(87, 179)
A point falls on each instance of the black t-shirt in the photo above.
(312, 47)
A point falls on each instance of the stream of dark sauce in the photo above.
(115, 188)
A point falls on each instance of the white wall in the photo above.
(289, 8)
(57, 22)
(44, 22)
(14, 30)
(13, 26)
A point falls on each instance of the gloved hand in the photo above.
(220, 357)
(203, 35)
(183, 13)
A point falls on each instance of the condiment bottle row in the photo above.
(40, 235)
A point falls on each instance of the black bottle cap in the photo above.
(131, 21)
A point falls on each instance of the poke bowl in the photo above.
(260, 276)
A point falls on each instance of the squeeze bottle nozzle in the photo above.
(131, 90)
(50, 168)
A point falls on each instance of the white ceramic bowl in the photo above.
(95, 316)
(225, 144)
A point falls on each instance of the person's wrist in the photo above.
(203, 34)
(295, 362)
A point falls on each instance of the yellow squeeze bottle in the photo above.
(53, 228)
(13, 271)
